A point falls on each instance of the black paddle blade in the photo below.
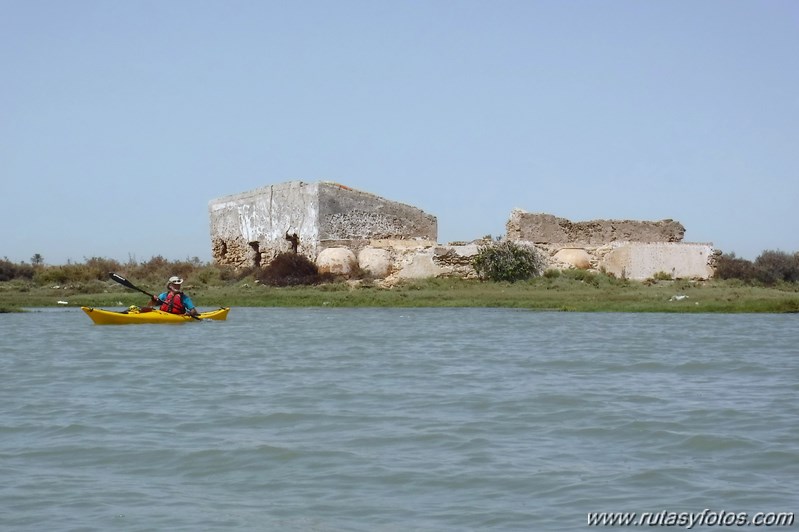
(124, 282)
(121, 280)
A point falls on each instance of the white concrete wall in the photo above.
(323, 214)
(265, 214)
(640, 261)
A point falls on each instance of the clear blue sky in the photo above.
(119, 120)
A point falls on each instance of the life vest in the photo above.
(174, 303)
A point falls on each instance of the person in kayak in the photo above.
(174, 300)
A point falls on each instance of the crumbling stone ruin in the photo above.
(625, 248)
(549, 229)
(345, 230)
(251, 228)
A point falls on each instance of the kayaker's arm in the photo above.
(191, 309)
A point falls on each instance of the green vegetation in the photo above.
(769, 268)
(774, 287)
(508, 261)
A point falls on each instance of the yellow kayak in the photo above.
(112, 317)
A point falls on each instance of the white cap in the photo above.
(175, 280)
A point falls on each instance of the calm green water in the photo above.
(393, 419)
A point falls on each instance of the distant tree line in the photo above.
(97, 269)
(498, 261)
(285, 270)
(769, 268)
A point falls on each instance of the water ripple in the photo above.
(393, 419)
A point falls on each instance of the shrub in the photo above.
(230, 273)
(728, 266)
(99, 268)
(772, 267)
(155, 268)
(552, 273)
(290, 269)
(65, 274)
(9, 270)
(507, 261)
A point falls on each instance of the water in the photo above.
(393, 419)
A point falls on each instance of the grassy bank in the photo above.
(584, 293)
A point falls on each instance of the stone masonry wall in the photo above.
(625, 248)
(548, 229)
(345, 213)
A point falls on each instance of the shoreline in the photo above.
(593, 294)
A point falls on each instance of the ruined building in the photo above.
(250, 228)
(344, 229)
(625, 248)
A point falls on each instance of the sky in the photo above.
(120, 121)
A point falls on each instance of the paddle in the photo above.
(124, 282)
